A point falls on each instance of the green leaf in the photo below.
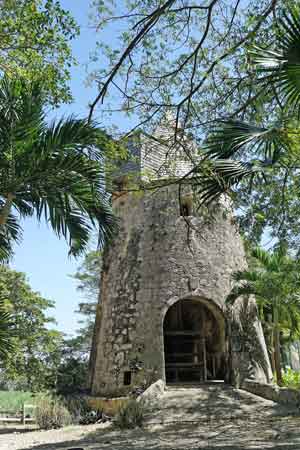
(282, 65)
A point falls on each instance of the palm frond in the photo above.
(247, 275)
(73, 134)
(240, 290)
(6, 331)
(271, 261)
(70, 194)
(223, 176)
(263, 256)
(54, 170)
(282, 64)
(231, 138)
(10, 233)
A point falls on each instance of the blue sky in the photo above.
(41, 255)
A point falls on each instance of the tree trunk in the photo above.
(277, 348)
(4, 212)
(273, 365)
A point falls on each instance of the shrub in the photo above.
(81, 412)
(131, 415)
(291, 378)
(72, 376)
(51, 413)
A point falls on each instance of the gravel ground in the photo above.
(18, 439)
(218, 418)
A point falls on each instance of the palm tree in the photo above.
(241, 151)
(6, 331)
(275, 283)
(53, 171)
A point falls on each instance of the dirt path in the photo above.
(207, 418)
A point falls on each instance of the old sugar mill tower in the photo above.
(163, 288)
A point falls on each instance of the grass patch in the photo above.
(131, 415)
(13, 400)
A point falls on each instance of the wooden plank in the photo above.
(10, 419)
(214, 366)
(184, 365)
(183, 354)
(204, 360)
(182, 333)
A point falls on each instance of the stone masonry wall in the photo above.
(155, 261)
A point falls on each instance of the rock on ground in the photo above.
(153, 393)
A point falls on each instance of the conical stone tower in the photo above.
(164, 283)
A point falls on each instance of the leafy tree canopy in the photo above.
(88, 278)
(258, 161)
(182, 57)
(223, 68)
(35, 44)
(36, 345)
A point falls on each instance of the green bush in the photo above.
(72, 376)
(291, 378)
(81, 412)
(131, 415)
(51, 413)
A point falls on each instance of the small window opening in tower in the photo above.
(127, 378)
(185, 210)
(121, 183)
(186, 205)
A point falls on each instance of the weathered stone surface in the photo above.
(155, 261)
(153, 392)
(273, 392)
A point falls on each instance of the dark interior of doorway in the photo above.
(192, 344)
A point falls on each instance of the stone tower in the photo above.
(164, 283)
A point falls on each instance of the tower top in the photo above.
(159, 156)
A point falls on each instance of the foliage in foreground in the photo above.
(259, 161)
(131, 415)
(6, 330)
(274, 280)
(187, 57)
(35, 43)
(54, 172)
(291, 378)
(51, 413)
(33, 363)
(42, 358)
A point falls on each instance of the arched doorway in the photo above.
(194, 342)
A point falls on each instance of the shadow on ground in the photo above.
(225, 436)
(8, 429)
(208, 418)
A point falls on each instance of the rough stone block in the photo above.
(153, 392)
